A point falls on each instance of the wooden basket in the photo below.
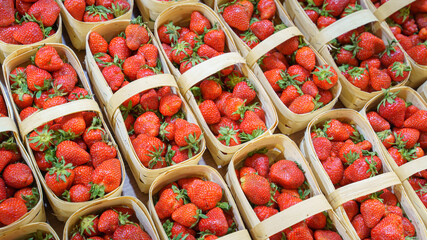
(280, 147)
(151, 9)
(241, 45)
(222, 154)
(141, 213)
(3, 93)
(111, 102)
(204, 172)
(63, 209)
(37, 214)
(77, 30)
(414, 166)
(180, 14)
(6, 49)
(351, 96)
(22, 56)
(289, 122)
(422, 90)
(418, 75)
(24, 230)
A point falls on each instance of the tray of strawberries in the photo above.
(80, 16)
(277, 193)
(28, 22)
(21, 194)
(155, 109)
(117, 218)
(32, 231)
(407, 21)
(194, 202)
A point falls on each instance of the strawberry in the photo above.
(102, 60)
(76, 8)
(169, 201)
(398, 71)
(73, 123)
(117, 46)
(108, 175)
(368, 45)
(346, 57)
(37, 79)
(303, 104)
(150, 53)
(97, 43)
(334, 168)
(54, 101)
(262, 29)
(22, 98)
(114, 77)
(88, 226)
(362, 168)
(326, 235)
(306, 57)
(198, 23)
(215, 38)
(11, 210)
(236, 17)
(94, 133)
(46, 11)
(359, 225)
(271, 62)
(324, 21)
(322, 147)
(149, 100)
(390, 227)
(408, 228)
(417, 121)
(392, 108)
(7, 13)
(244, 90)
(210, 89)
(286, 174)
(131, 66)
(136, 34)
(187, 215)
(41, 140)
(359, 77)
(317, 221)
(335, 7)
(256, 188)
(233, 107)
(168, 33)
(210, 112)
(407, 137)
(206, 51)
(181, 51)
(266, 8)
(205, 194)
(391, 55)
(252, 124)
(78, 193)
(372, 211)
(419, 53)
(274, 76)
(28, 33)
(6, 34)
(325, 77)
(148, 123)
(83, 175)
(351, 209)
(379, 79)
(215, 222)
(97, 14)
(249, 39)
(149, 150)
(377, 122)
(70, 152)
(130, 231)
(170, 105)
(259, 162)
(17, 175)
(287, 200)
(290, 94)
(59, 178)
(100, 152)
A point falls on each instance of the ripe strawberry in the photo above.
(82, 175)
(262, 29)
(187, 215)
(210, 89)
(54, 101)
(325, 77)
(46, 11)
(7, 13)
(417, 121)
(322, 147)
(244, 90)
(252, 124)
(100, 152)
(22, 98)
(233, 107)
(362, 168)
(408, 228)
(267, 9)
(346, 57)
(236, 17)
(317, 221)
(11, 210)
(306, 58)
(169, 201)
(334, 168)
(59, 178)
(407, 136)
(390, 227)
(70, 152)
(259, 162)
(148, 123)
(392, 108)
(94, 133)
(256, 188)
(335, 7)
(326, 235)
(78, 193)
(419, 53)
(149, 150)
(215, 222)
(17, 175)
(97, 43)
(73, 123)
(359, 77)
(215, 38)
(286, 200)
(369, 45)
(290, 94)
(76, 8)
(97, 14)
(391, 55)
(117, 46)
(114, 77)
(271, 62)
(149, 100)
(131, 66)
(324, 21)
(372, 211)
(108, 175)
(40, 140)
(379, 79)
(170, 105)
(150, 53)
(377, 122)
(351, 209)
(286, 174)
(136, 34)
(398, 71)
(198, 23)
(210, 112)
(37, 78)
(28, 33)
(359, 225)
(205, 194)
(303, 104)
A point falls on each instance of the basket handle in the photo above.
(362, 188)
(136, 87)
(341, 26)
(7, 125)
(207, 68)
(271, 42)
(290, 216)
(390, 7)
(47, 115)
(410, 168)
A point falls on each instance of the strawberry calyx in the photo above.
(19, 79)
(356, 137)
(227, 134)
(123, 218)
(408, 154)
(57, 91)
(60, 169)
(303, 193)
(244, 137)
(31, 18)
(400, 68)
(352, 9)
(21, 91)
(389, 48)
(193, 144)
(180, 47)
(384, 134)
(162, 131)
(204, 234)
(44, 138)
(222, 6)
(351, 157)
(422, 190)
(233, 79)
(99, 10)
(288, 80)
(87, 224)
(118, 10)
(9, 144)
(354, 46)
(172, 31)
(241, 110)
(389, 97)
(167, 226)
(274, 189)
(96, 124)
(324, 73)
(224, 206)
(259, 151)
(356, 72)
(32, 199)
(249, 38)
(96, 191)
(316, 102)
(319, 132)
(156, 156)
(182, 194)
(199, 214)
(372, 166)
(279, 27)
(405, 12)
(66, 196)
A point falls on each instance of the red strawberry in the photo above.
(252, 124)
(256, 188)
(136, 34)
(210, 112)
(150, 53)
(198, 23)
(407, 136)
(11, 210)
(70, 152)
(215, 38)
(392, 108)
(244, 90)
(259, 162)
(215, 222)
(83, 175)
(117, 46)
(267, 9)
(379, 79)
(262, 29)
(324, 21)
(317, 221)
(37, 78)
(233, 108)
(235, 15)
(325, 77)
(398, 71)
(286, 174)
(59, 178)
(303, 104)
(359, 225)
(97, 13)
(335, 7)
(419, 53)
(114, 77)
(28, 33)
(148, 123)
(417, 121)
(372, 211)
(187, 135)
(131, 66)
(7, 13)
(46, 11)
(169, 201)
(76, 8)
(306, 57)
(377, 122)
(391, 55)
(170, 105)
(100, 152)
(149, 100)
(108, 175)
(210, 89)
(290, 94)
(390, 227)
(351, 209)
(334, 168)
(287, 200)
(17, 175)
(205, 194)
